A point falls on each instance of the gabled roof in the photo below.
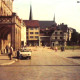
(31, 23)
(45, 24)
(63, 27)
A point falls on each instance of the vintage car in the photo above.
(25, 53)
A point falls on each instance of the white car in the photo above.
(25, 53)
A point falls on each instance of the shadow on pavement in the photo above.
(22, 58)
(74, 57)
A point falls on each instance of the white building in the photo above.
(23, 34)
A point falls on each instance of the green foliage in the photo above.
(75, 39)
(68, 47)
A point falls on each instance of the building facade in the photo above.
(61, 35)
(16, 32)
(58, 38)
(5, 23)
(6, 7)
(33, 32)
(23, 34)
(10, 26)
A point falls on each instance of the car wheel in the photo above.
(20, 57)
(29, 57)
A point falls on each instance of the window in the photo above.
(55, 32)
(36, 36)
(55, 37)
(36, 28)
(61, 37)
(36, 32)
(60, 32)
(31, 36)
(27, 37)
(31, 28)
(31, 32)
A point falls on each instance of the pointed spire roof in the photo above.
(54, 18)
(30, 16)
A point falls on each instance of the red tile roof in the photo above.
(31, 23)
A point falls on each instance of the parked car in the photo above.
(25, 53)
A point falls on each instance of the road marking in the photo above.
(9, 63)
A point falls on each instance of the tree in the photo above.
(75, 37)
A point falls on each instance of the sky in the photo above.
(66, 11)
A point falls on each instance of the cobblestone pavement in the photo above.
(45, 64)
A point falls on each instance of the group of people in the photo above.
(9, 51)
(56, 48)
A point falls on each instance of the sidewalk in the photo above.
(4, 60)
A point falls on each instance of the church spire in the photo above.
(54, 18)
(30, 16)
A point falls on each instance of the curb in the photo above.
(9, 63)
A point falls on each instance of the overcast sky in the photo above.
(66, 11)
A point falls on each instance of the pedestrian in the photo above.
(56, 49)
(18, 53)
(10, 52)
(62, 48)
(7, 48)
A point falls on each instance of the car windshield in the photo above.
(24, 50)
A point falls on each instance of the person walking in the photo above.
(18, 54)
(56, 49)
(7, 49)
(10, 53)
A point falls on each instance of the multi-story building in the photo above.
(33, 32)
(10, 26)
(6, 7)
(16, 32)
(5, 23)
(58, 38)
(61, 35)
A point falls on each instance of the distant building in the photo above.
(61, 35)
(23, 34)
(46, 33)
(33, 32)
(46, 30)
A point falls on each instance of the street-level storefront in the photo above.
(33, 42)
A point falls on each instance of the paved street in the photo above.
(46, 64)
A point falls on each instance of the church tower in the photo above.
(30, 16)
(54, 18)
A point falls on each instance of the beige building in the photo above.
(16, 31)
(10, 26)
(5, 23)
(33, 32)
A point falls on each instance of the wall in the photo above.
(6, 7)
